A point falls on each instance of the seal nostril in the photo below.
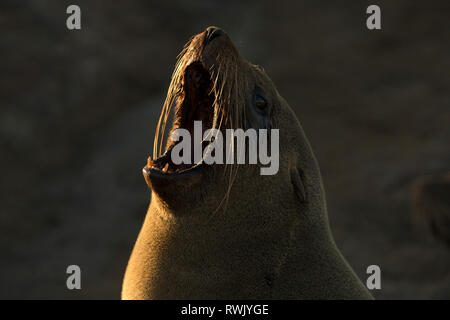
(213, 32)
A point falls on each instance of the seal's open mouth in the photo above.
(194, 102)
(206, 86)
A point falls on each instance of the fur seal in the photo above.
(270, 237)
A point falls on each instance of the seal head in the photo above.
(226, 231)
(213, 84)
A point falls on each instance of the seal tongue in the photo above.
(198, 102)
(195, 104)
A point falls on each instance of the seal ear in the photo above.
(299, 187)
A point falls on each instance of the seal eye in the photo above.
(260, 102)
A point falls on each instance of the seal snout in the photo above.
(200, 92)
(212, 32)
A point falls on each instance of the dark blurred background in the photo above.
(78, 111)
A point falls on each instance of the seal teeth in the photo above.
(149, 162)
